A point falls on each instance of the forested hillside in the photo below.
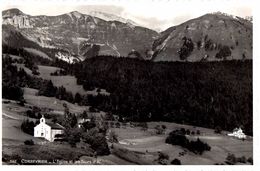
(208, 94)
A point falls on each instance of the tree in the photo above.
(218, 130)
(198, 44)
(186, 48)
(112, 137)
(250, 160)
(109, 116)
(117, 125)
(84, 114)
(89, 125)
(47, 89)
(28, 142)
(70, 119)
(28, 127)
(112, 124)
(72, 135)
(12, 92)
(158, 129)
(231, 159)
(78, 98)
(144, 126)
(177, 138)
(223, 53)
(163, 158)
(97, 141)
(176, 162)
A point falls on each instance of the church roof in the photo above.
(55, 126)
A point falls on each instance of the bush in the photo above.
(198, 147)
(159, 129)
(112, 124)
(97, 141)
(12, 92)
(176, 137)
(218, 130)
(241, 159)
(72, 135)
(28, 127)
(89, 125)
(144, 126)
(117, 125)
(112, 137)
(163, 158)
(176, 162)
(223, 52)
(198, 132)
(250, 160)
(164, 127)
(186, 48)
(28, 142)
(231, 159)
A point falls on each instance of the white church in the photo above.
(48, 130)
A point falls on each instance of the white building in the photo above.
(237, 132)
(48, 131)
(81, 121)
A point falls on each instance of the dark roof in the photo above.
(55, 126)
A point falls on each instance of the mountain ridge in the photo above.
(206, 36)
(213, 36)
(80, 34)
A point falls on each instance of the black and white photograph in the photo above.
(127, 82)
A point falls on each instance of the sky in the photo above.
(155, 14)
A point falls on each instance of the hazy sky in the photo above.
(154, 14)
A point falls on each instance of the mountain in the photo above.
(210, 37)
(75, 36)
(112, 17)
(80, 35)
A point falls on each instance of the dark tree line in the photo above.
(177, 137)
(204, 94)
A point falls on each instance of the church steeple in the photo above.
(42, 120)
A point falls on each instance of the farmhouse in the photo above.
(48, 130)
(81, 121)
(237, 132)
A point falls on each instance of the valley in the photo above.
(98, 89)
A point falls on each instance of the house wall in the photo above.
(55, 132)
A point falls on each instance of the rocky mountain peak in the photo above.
(76, 14)
(11, 12)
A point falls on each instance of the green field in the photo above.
(67, 81)
(37, 52)
(50, 102)
(134, 139)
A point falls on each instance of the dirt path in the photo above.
(9, 116)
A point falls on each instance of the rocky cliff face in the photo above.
(16, 18)
(82, 35)
(18, 21)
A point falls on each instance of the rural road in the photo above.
(11, 117)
